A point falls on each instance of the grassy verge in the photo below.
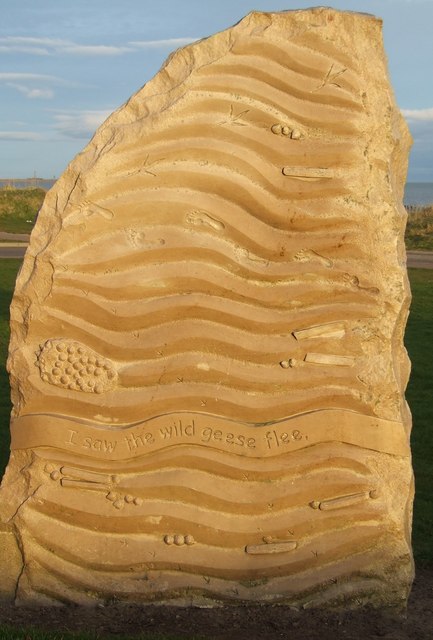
(419, 230)
(8, 272)
(19, 208)
(419, 342)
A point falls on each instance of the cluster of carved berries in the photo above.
(72, 365)
(284, 130)
(179, 540)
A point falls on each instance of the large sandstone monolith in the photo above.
(206, 358)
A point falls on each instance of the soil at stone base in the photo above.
(241, 623)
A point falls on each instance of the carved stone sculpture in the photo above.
(206, 358)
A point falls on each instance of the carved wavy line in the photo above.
(293, 53)
(202, 320)
(195, 343)
(275, 250)
(124, 348)
(237, 490)
(277, 79)
(185, 286)
(227, 496)
(269, 207)
(256, 142)
(212, 178)
(217, 506)
(90, 526)
(329, 456)
(205, 302)
(239, 311)
(315, 45)
(270, 247)
(215, 156)
(348, 126)
(198, 521)
(199, 331)
(95, 523)
(248, 319)
(230, 377)
(197, 258)
(296, 580)
(234, 287)
(212, 182)
(233, 259)
(240, 405)
(227, 562)
(243, 219)
(229, 363)
(272, 54)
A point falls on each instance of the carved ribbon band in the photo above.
(186, 428)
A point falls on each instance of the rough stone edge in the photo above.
(11, 563)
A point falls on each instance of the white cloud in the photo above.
(34, 51)
(94, 50)
(418, 114)
(20, 135)
(17, 40)
(32, 85)
(56, 46)
(32, 92)
(79, 124)
(18, 77)
(154, 44)
(33, 46)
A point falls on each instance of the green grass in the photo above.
(19, 208)
(419, 230)
(419, 342)
(8, 272)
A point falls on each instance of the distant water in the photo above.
(418, 193)
(27, 183)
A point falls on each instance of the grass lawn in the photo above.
(419, 230)
(8, 272)
(19, 208)
(419, 343)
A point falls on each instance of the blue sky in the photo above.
(65, 65)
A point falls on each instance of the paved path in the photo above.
(415, 259)
(12, 250)
(420, 259)
(11, 237)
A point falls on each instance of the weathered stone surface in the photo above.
(206, 357)
(11, 563)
